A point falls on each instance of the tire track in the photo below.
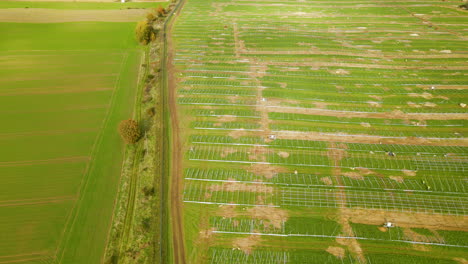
(176, 184)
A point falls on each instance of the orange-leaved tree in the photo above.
(160, 11)
(129, 131)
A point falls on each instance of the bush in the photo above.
(144, 32)
(129, 131)
(151, 111)
(464, 6)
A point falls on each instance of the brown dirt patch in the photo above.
(237, 186)
(275, 216)
(246, 244)
(283, 154)
(419, 247)
(260, 199)
(227, 211)
(339, 72)
(397, 178)
(367, 139)
(374, 104)
(413, 236)
(238, 133)
(338, 252)
(429, 104)
(326, 180)
(461, 260)
(366, 171)
(227, 118)
(366, 125)
(354, 247)
(396, 114)
(409, 172)
(42, 15)
(353, 175)
(413, 105)
(383, 229)
(376, 97)
(227, 151)
(406, 219)
(205, 234)
(266, 170)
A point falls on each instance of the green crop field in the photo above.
(307, 125)
(64, 87)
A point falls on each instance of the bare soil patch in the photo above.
(383, 229)
(410, 220)
(366, 125)
(397, 178)
(246, 244)
(266, 170)
(413, 236)
(409, 172)
(227, 211)
(237, 186)
(227, 118)
(283, 154)
(354, 247)
(420, 247)
(275, 216)
(205, 234)
(461, 260)
(353, 175)
(326, 180)
(238, 133)
(338, 252)
(227, 151)
(369, 139)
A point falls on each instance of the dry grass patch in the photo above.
(266, 170)
(42, 15)
(246, 244)
(237, 186)
(409, 220)
(275, 216)
(338, 252)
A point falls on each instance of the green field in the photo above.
(64, 87)
(306, 125)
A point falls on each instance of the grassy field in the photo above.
(64, 88)
(306, 125)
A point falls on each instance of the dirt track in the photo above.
(41, 15)
(176, 205)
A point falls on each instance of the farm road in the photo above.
(42, 15)
(176, 159)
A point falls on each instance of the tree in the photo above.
(144, 32)
(129, 131)
(160, 11)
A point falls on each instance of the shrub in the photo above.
(151, 111)
(144, 32)
(464, 6)
(150, 17)
(129, 131)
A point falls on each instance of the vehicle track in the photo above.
(176, 149)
